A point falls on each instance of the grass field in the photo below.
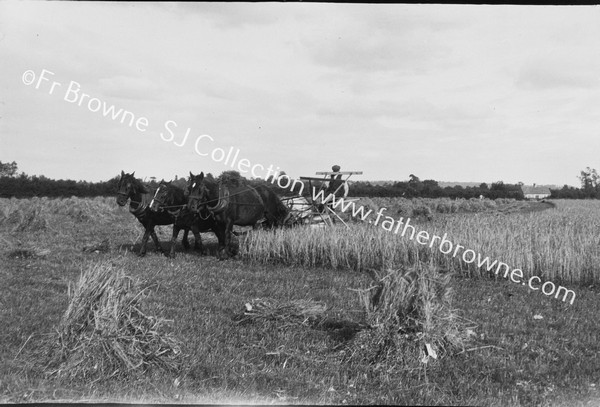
(514, 358)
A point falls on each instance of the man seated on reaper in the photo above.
(336, 187)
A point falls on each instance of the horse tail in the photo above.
(282, 210)
(274, 208)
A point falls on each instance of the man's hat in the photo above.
(335, 168)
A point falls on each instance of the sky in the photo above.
(476, 93)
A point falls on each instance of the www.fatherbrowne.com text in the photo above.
(404, 228)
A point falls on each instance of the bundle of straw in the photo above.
(411, 315)
(31, 219)
(104, 333)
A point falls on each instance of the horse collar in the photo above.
(223, 201)
(141, 205)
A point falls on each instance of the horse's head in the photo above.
(189, 183)
(197, 192)
(160, 196)
(126, 188)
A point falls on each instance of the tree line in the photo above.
(590, 187)
(415, 188)
(26, 186)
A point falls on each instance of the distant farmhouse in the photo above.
(535, 192)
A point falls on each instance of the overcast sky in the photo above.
(445, 92)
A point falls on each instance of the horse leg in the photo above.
(147, 233)
(198, 241)
(231, 251)
(223, 236)
(233, 243)
(186, 243)
(156, 242)
(223, 254)
(176, 230)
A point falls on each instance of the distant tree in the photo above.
(415, 186)
(498, 186)
(590, 182)
(8, 169)
(567, 192)
(431, 189)
(231, 178)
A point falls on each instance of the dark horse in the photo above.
(240, 205)
(141, 200)
(173, 200)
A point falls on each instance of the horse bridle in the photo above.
(121, 187)
(198, 196)
(124, 194)
(131, 189)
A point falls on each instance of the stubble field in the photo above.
(524, 349)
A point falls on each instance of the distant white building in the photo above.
(535, 192)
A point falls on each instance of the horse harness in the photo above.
(224, 200)
(162, 207)
(142, 205)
